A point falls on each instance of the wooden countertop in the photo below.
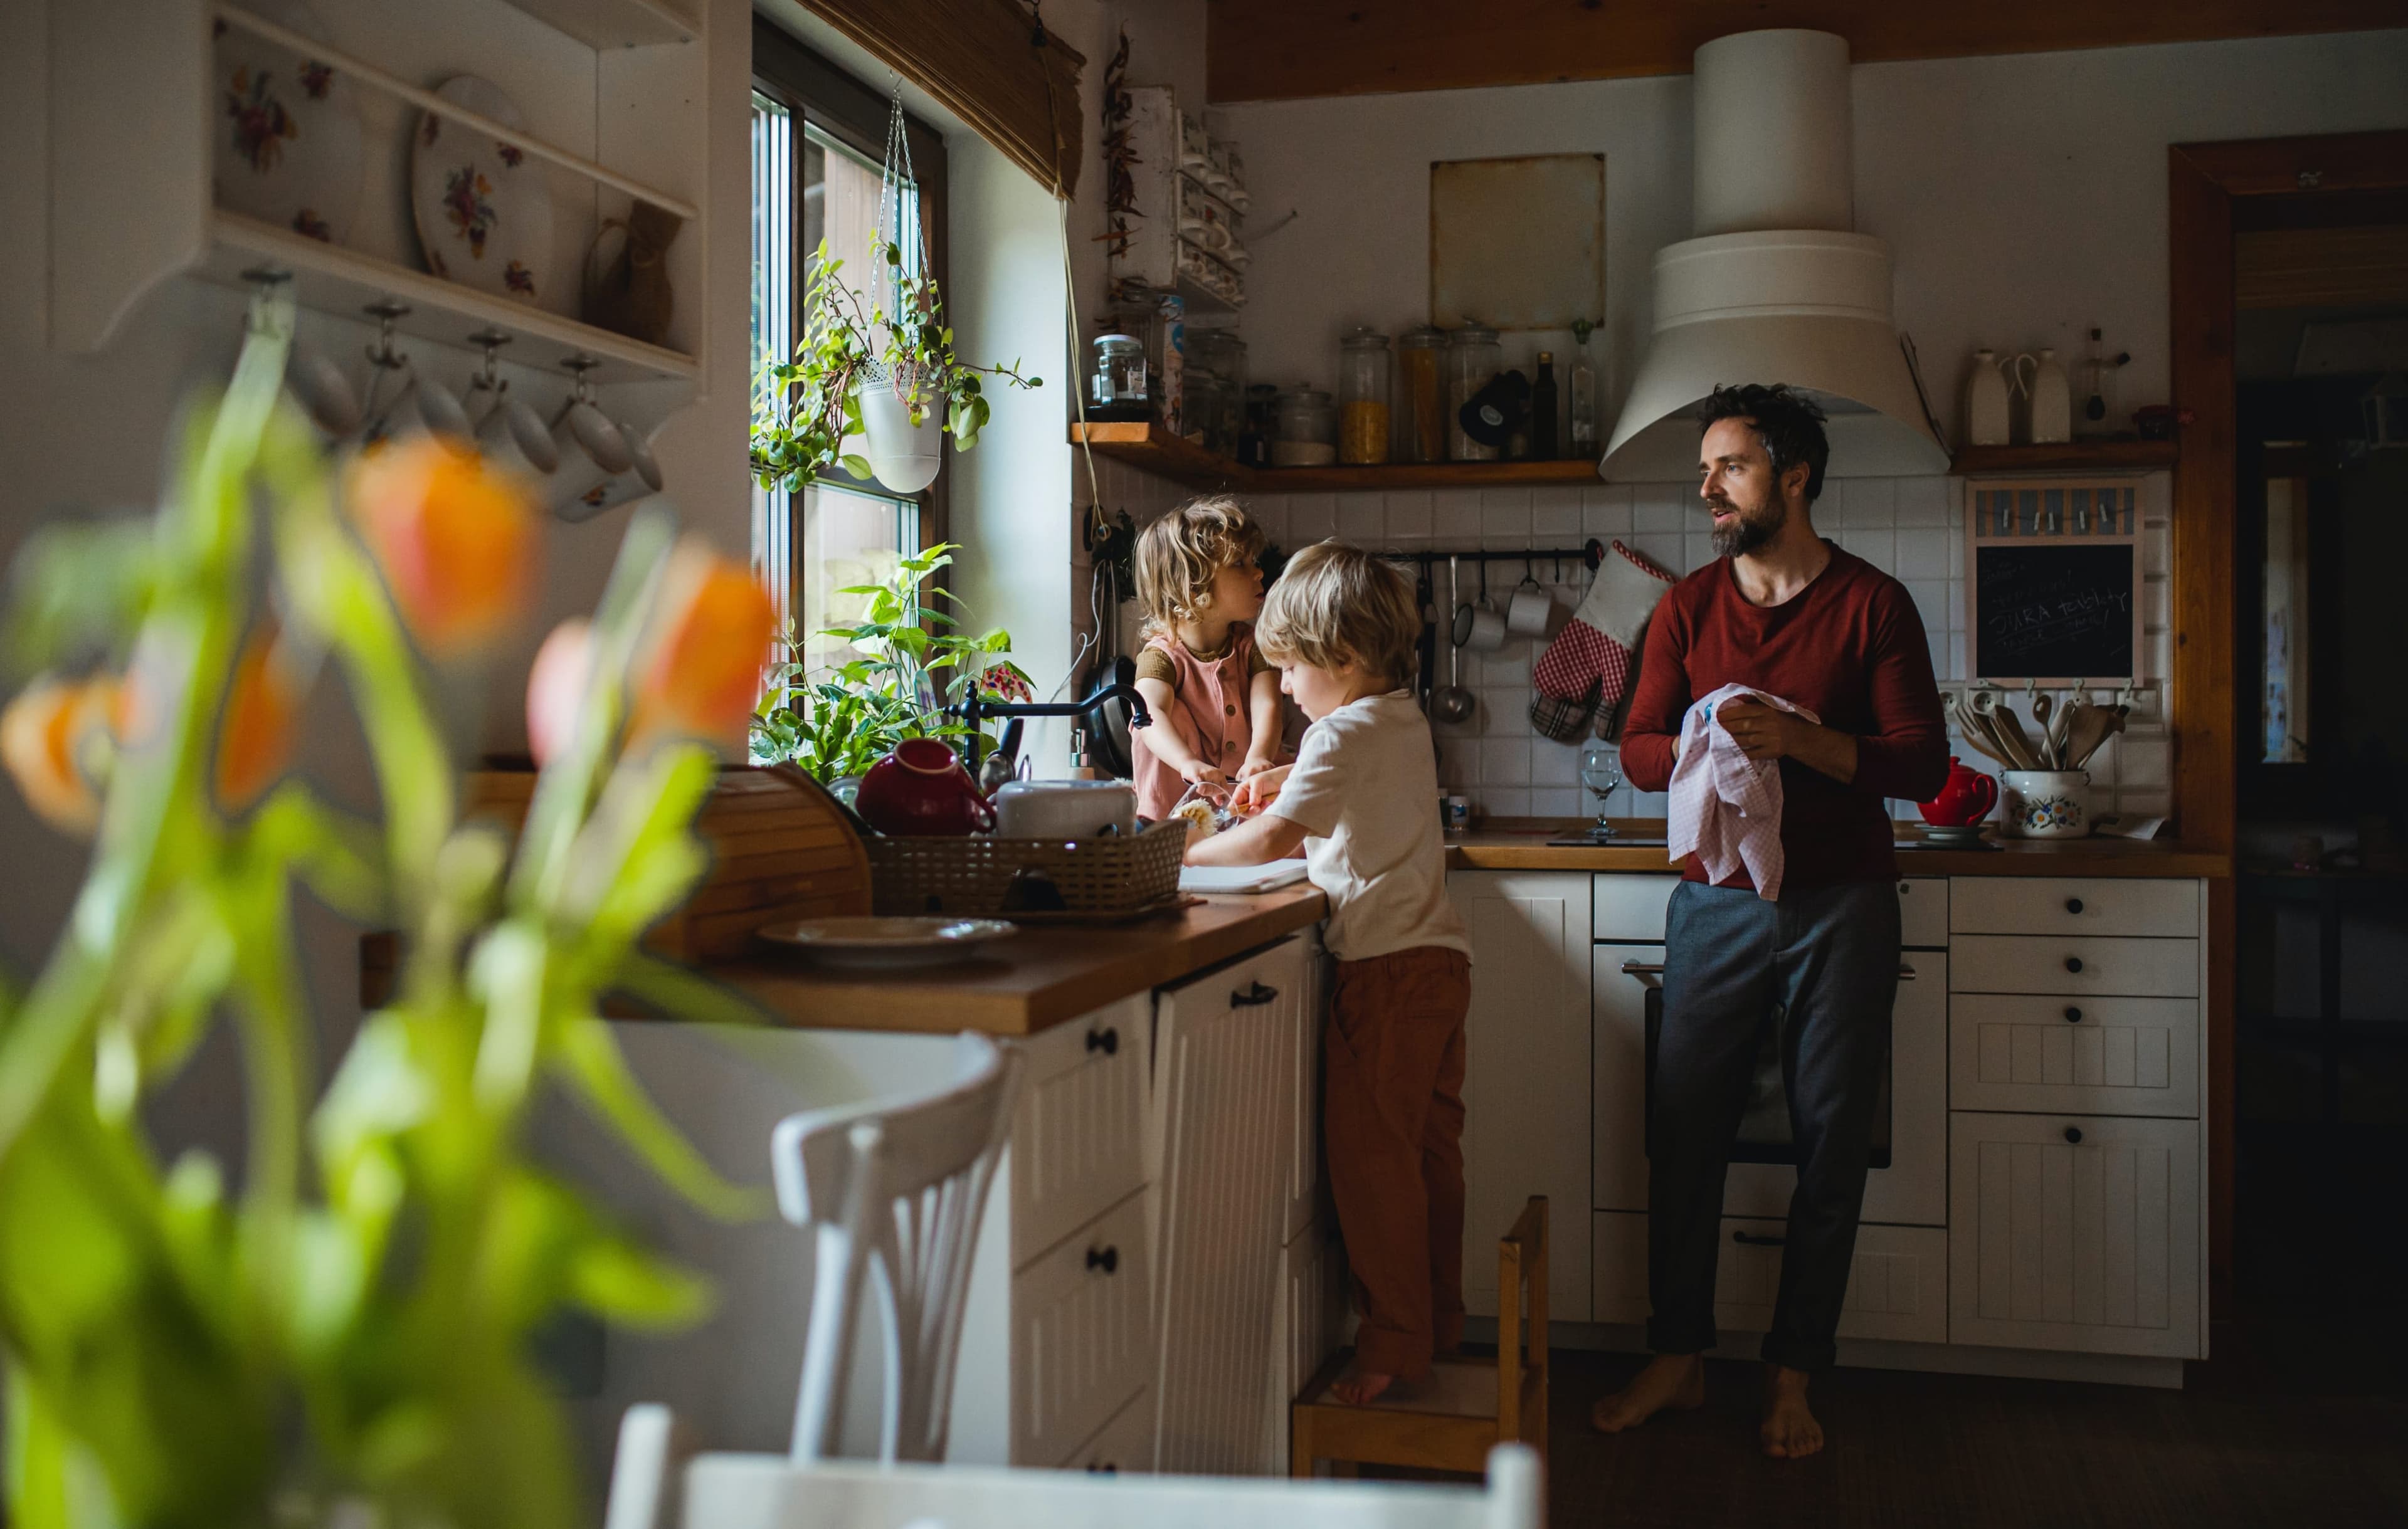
(1040, 978)
(1520, 844)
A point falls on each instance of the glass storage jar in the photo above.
(1363, 397)
(1304, 429)
(1473, 359)
(1421, 395)
(1200, 411)
(1254, 440)
(1221, 352)
(1117, 388)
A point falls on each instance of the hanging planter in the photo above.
(855, 347)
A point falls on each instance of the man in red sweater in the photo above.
(1788, 614)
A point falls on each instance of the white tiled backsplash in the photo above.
(1913, 528)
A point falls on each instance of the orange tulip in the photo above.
(455, 535)
(255, 736)
(55, 738)
(556, 685)
(700, 669)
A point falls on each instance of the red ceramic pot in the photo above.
(1966, 799)
(921, 789)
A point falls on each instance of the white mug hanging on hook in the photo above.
(508, 430)
(416, 401)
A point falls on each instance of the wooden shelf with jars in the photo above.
(1152, 449)
(2112, 456)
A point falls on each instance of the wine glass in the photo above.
(1600, 771)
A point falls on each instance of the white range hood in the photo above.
(1777, 286)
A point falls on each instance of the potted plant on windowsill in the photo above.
(889, 377)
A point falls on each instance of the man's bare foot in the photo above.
(1360, 1388)
(1674, 1381)
(1790, 1430)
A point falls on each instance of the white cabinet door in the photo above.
(1923, 911)
(1525, 1090)
(1629, 908)
(1897, 1282)
(1078, 1134)
(1617, 1008)
(2076, 1232)
(1082, 1342)
(1302, 1102)
(1223, 1073)
(1310, 1326)
(2083, 1056)
(1122, 1447)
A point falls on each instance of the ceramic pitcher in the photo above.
(1985, 401)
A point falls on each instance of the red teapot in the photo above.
(921, 789)
(1966, 799)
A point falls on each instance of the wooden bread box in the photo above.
(780, 846)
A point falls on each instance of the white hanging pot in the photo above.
(905, 456)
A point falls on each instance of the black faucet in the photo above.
(971, 709)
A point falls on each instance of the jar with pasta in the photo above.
(1363, 398)
(1420, 434)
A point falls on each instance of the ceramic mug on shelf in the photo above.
(2046, 803)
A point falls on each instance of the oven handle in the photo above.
(1656, 968)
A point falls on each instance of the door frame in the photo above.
(2203, 183)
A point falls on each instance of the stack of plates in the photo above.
(1963, 837)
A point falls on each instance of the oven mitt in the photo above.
(1585, 671)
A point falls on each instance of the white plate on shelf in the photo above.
(483, 208)
(871, 942)
(1242, 878)
(284, 130)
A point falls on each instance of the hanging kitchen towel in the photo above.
(1586, 670)
(1726, 807)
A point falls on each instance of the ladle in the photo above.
(1453, 703)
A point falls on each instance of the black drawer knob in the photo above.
(2073, 1015)
(2074, 1135)
(2073, 963)
(2073, 905)
(1103, 1468)
(1106, 1258)
(1106, 1040)
(1256, 993)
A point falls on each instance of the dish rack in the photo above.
(975, 875)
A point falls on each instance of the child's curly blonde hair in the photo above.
(1178, 555)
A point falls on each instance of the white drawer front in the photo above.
(1631, 907)
(2078, 1055)
(2076, 1233)
(1077, 1135)
(1124, 1445)
(2145, 968)
(2015, 904)
(1897, 1288)
(1081, 1335)
(1923, 911)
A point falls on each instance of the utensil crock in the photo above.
(2046, 803)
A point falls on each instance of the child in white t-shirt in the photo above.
(1361, 800)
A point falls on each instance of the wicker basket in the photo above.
(969, 875)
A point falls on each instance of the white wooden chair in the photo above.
(895, 1190)
(655, 1487)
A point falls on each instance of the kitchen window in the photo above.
(818, 137)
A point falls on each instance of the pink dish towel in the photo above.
(1726, 807)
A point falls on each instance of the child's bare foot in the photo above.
(1676, 1382)
(1360, 1388)
(1790, 1430)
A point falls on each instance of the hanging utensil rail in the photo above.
(1588, 555)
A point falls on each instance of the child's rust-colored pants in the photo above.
(1394, 1123)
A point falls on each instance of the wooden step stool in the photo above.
(1468, 1407)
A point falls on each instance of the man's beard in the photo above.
(1748, 530)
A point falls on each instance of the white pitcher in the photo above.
(1985, 401)
(2052, 400)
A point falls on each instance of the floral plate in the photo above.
(483, 208)
(286, 136)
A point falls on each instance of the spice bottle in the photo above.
(1421, 395)
(1543, 410)
(1581, 422)
(1363, 398)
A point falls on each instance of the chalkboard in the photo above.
(2052, 611)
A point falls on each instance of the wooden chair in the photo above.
(653, 1485)
(897, 1189)
(1468, 1407)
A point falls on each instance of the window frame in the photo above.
(815, 91)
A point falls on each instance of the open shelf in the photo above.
(1155, 449)
(333, 279)
(2080, 456)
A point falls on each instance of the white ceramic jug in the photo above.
(1985, 401)
(2052, 400)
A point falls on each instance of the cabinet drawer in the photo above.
(2074, 964)
(1078, 1134)
(2075, 1233)
(2011, 905)
(1923, 911)
(2093, 1056)
(1123, 1447)
(1629, 908)
(1081, 1334)
(1897, 1286)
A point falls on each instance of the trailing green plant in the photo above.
(915, 662)
(805, 408)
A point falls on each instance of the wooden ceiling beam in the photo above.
(1274, 50)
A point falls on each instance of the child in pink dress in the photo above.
(1215, 700)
